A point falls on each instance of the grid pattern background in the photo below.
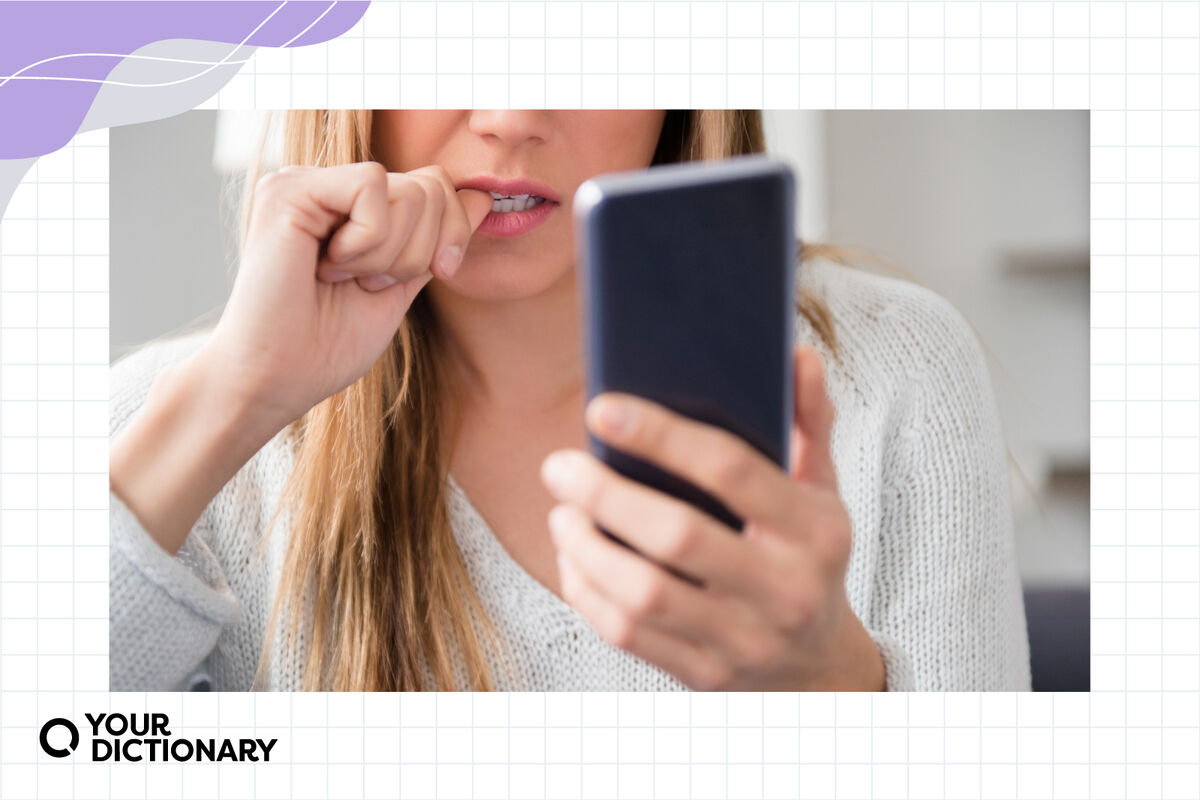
(1137, 734)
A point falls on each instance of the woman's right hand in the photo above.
(333, 258)
(332, 261)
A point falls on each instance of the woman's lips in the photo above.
(513, 223)
(516, 223)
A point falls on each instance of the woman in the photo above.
(395, 389)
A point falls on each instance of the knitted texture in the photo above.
(921, 465)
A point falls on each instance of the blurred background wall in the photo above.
(173, 255)
(988, 208)
(991, 210)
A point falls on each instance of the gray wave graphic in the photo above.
(11, 173)
(128, 105)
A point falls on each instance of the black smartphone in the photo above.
(687, 280)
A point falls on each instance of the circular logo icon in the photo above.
(59, 752)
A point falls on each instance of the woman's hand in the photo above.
(766, 608)
(334, 257)
(332, 261)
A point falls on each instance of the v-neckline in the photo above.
(479, 529)
(472, 533)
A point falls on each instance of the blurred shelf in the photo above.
(1046, 262)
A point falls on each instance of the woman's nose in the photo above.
(512, 128)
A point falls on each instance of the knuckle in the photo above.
(435, 196)
(372, 171)
(681, 535)
(621, 632)
(593, 490)
(268, 186)
(432, 200)
(797, 608)
(282, 210)
(730, 470)
(409, 196)
(649, 599)
(279, 196)
(832, 538)
(290, 170)
(838, 546)
(266, 183)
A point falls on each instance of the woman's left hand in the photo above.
(767, 609)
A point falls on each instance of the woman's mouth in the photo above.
(517, 202)
(513, 215)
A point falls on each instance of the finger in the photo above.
(360, 192)
(469, 212)
(403, 253)
(639, 587)
(812, 452)
(416, 252)
(649, 595)
(779, 590)
(696, 666)
(406, 203)
(462, 213)
(343, 207)
(723, 464)
(661, 527)
(477, 205)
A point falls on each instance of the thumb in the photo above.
(465, 216)
(812, 431)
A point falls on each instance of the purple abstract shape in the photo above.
(39, 116)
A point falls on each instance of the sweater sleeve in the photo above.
(165, 612)
(948, 613)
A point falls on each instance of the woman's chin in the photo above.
(502, 279)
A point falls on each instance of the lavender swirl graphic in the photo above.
(77, 66)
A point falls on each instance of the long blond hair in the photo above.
(371, 550)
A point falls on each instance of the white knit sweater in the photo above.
(922, 469)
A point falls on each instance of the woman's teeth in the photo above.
(518, 202)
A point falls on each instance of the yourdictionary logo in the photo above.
(44, 737)
(146, 737)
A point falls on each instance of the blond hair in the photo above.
(371, 548)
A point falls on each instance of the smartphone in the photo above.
(687, 277)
